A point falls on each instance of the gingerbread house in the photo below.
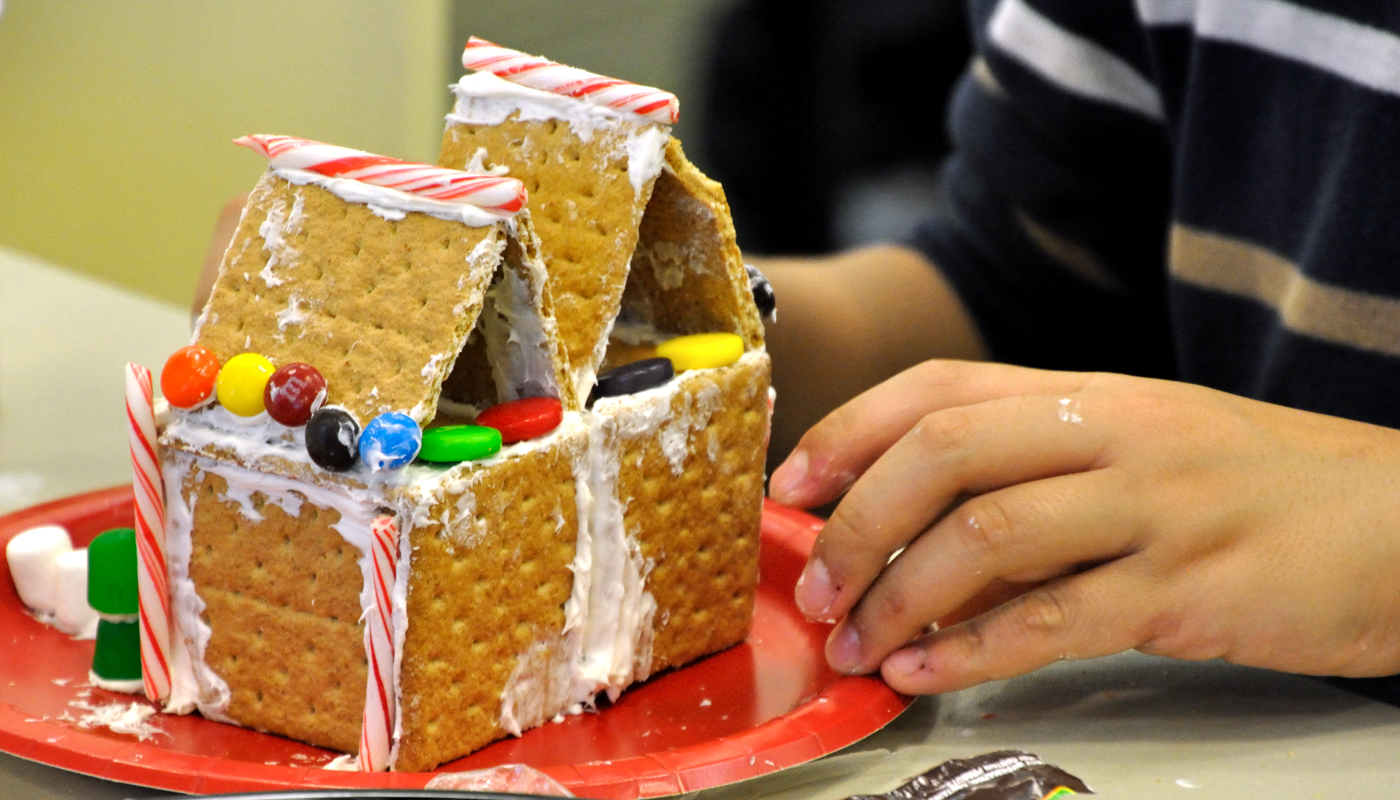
(409, 612)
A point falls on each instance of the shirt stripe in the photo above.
(1359, 53)
(1304, 306)
(1071, 62)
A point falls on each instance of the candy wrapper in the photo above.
(1003, 775)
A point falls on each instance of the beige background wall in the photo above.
(115, 117)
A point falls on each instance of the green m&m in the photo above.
(450, 444)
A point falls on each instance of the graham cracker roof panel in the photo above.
(687, 272)
(380, 307)
(586, 209)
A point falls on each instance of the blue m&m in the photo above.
(390, 441)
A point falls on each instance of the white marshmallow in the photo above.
(75, 616)
(32, 555)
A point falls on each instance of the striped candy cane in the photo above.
(377, 731)
(548, 76)
(503, 196)
(152, 581)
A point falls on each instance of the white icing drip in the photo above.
(477, 165)
(646, 152)
(391, 204)
(278, 225)
(193, 683)
(294, 314)
(517, 344)
(399, 618)
(675, 436)
(432, 369)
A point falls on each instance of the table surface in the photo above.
(1131, 726)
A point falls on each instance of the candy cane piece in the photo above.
(501, 195)
(377, 731)
(152, 580)
(549, 76)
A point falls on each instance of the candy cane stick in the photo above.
(152, 581)
(489, 192)
(548, 76)
(377, 730)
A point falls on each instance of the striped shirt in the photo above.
(1201, 189)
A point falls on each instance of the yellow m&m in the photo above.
(702, 350)
(241, 383)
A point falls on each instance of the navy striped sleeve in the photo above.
(1059, 185)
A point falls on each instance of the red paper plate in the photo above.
(767, 704)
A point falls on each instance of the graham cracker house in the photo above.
(521, 584)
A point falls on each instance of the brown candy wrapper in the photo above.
(1003, 775)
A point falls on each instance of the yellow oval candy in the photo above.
(241, 383)
(702, 350)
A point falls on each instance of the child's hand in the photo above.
(1165, 517)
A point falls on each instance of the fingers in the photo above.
(1030, 532)
(842, 446)
(1097, 613)
(949, 453)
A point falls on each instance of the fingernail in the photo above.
(905, 662)
(843, 650)
(815, 594)
(788, 478)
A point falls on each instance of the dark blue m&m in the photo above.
(632, 378)
(332, 439)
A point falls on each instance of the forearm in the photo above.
(850, 321)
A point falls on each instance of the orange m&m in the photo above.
(187, 379)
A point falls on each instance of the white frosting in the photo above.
(391, 204)
(279, 224)
(517, 344)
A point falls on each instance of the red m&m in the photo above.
(293, 393)
(187, 379)
(526, 418)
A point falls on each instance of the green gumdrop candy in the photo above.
(112, 572)
(117, 656)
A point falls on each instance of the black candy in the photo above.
(763, 295)
(332, 438)
(632, 378)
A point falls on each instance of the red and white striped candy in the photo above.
(152, 581)
(504, 196)
(376, 733)
(548, 76)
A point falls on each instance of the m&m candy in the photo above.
(702, 350)
(763, 295)
(332, 439)
(293, 392)
(632, 378)
(390, 441)
(526, 418)
(187, 380)
(450, 444)
(241, 383)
